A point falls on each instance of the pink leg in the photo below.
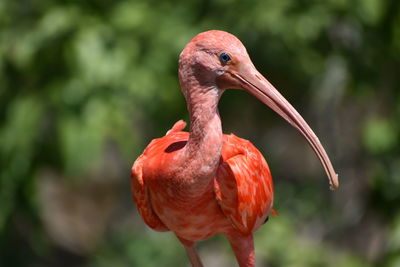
(243, 247)
(191, 252)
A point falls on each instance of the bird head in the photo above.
(218, 60)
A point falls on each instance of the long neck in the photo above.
(203, 150)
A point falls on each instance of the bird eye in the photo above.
(224, 57)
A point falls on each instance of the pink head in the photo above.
(217, 61)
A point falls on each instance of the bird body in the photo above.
(237, 198)
(202, 182)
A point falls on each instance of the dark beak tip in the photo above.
(335, 183)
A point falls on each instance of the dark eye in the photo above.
(224, 57)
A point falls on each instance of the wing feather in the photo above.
(142, 199)
(243, 185)
(139, 189)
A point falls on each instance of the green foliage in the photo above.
(380, 135)
(141, 249)
(85, 85)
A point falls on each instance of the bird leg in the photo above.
(191, 252)
(243, 247)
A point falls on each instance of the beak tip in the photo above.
(334, 184)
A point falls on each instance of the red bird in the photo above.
(203, 182)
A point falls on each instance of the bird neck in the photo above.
(203, 150)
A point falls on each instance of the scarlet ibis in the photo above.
(202, 182)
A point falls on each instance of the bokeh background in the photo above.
(85, 85)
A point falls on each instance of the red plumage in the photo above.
(238, 199)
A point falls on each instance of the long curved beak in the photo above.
(253, 82)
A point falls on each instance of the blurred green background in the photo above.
(85, 85)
